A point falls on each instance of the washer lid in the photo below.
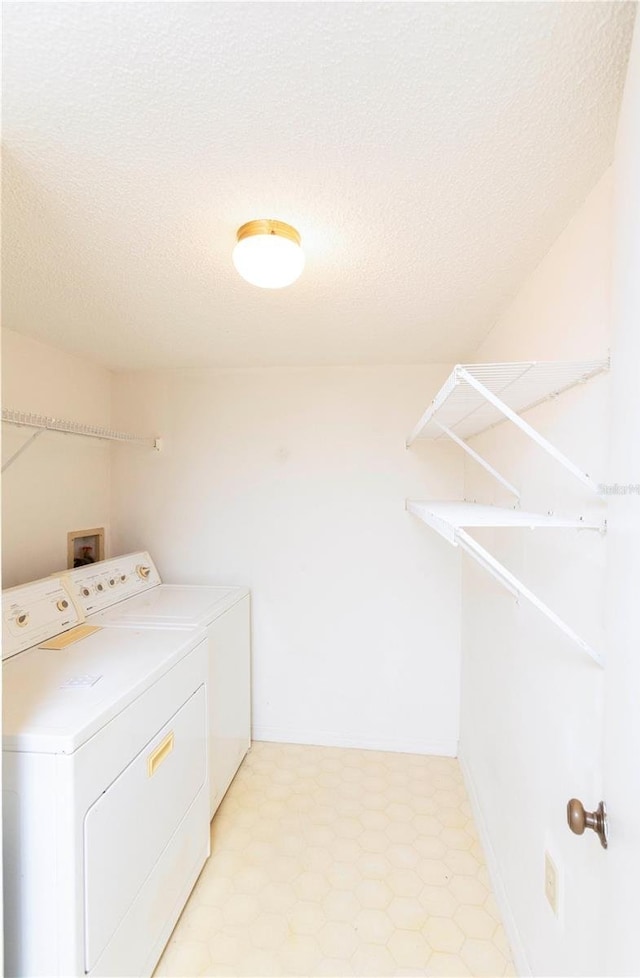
(172, 606)
(55, 700)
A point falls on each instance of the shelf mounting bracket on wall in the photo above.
(24, 419)
(23, 448)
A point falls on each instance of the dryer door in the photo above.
(129, 826)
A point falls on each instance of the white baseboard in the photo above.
(520, 960)
(328, 738)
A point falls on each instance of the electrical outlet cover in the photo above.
(551, 883)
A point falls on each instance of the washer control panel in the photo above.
(35, 612)
(98, 586)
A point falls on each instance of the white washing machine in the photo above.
(127, 592)
(105, 787)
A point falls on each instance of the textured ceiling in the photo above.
(429, 154)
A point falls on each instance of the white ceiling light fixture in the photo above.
(268, 254)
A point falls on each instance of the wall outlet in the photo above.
(551, 883)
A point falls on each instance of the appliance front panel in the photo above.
(131, 823)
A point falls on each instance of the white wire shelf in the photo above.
(29, 420)
(520, 386)
(43, 423)
(478, 396)
(448, 517)
(452, 519)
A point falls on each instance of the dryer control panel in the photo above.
(35, 612)
(98, 586)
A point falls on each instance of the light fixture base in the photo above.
(268, 226)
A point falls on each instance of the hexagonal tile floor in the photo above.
(341, 862)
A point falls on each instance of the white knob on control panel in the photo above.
(62, 604)
(86, 592)
(112, 582)
(99, 587)
(22, 619)
(143, 571)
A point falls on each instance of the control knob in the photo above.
(62, 604)
(143, 571)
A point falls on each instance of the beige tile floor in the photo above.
(341, 862)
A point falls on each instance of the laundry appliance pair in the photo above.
(112, 760)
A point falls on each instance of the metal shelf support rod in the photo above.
(527, 429)
(22, 448)
(478, 458)
(508, 580)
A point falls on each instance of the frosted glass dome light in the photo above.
(268, 254)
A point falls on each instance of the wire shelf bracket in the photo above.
(42, 423)
(478, 458)
(450, 520)
(475, 397)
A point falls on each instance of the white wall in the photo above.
(61, 482)
(292, 481)
(531, 715)
(622, 677)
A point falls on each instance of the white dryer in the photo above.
(127, 592)
(105, 787)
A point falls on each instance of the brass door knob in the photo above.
(579, 820)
